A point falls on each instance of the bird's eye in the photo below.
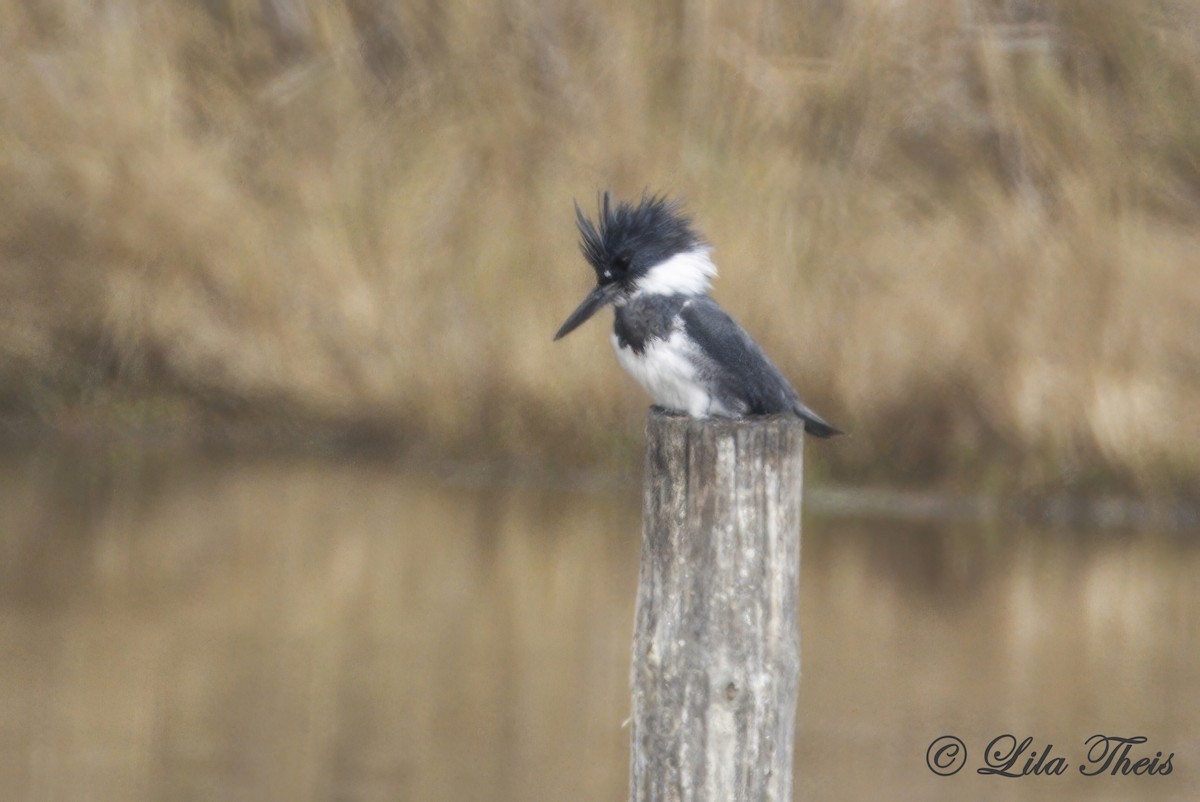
(622, 262)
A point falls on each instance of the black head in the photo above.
(625, 243)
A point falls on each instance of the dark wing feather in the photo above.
(744, 379)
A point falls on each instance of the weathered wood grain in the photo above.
(716, 653)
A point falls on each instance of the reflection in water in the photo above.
(201, 628)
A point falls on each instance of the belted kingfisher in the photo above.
(691, 356)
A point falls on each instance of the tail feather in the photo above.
(814, 425)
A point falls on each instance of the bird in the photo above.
(656, 269)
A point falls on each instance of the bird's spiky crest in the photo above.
(656, 227)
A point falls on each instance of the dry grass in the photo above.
(973, 245)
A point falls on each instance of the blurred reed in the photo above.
(966, 229)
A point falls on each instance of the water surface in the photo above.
(184, 627)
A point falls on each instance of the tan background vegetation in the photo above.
(968, 231)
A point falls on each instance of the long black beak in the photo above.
(595, 299)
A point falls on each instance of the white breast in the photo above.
(667, 369)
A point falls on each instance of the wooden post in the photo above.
(716, 650)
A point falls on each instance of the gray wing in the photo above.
(743, 379)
